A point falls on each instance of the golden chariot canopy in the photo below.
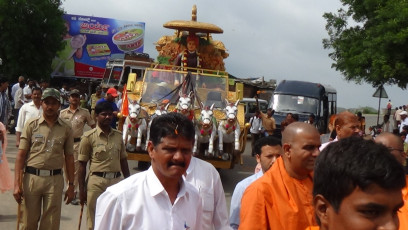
(193, 26)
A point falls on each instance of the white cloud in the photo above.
(280, 39)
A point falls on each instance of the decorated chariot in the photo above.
(189, 78)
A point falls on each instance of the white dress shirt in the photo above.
(237, 197)
(14, 89)
(256, 125)
(27, 91)
(324, 145)
(204, 177)
(27, 111)
(141, 202)
(403, 123)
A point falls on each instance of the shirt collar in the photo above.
(99, 131)
(156, 187)
(59, 121)
(191, 166)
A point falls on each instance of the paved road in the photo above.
(70, 213)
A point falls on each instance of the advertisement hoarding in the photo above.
(90, 41)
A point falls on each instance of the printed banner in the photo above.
(91, 41)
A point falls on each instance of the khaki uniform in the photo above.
(94, 99)
(268, 124)
(77, 120)
(45, 148)
(104, 153)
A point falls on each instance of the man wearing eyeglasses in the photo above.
(396, 146)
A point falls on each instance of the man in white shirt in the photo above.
(16, 86)
(158, 198)
(255, 128)
(29, 110)
(205, 178)
(28, 90)
(18, 103)
(346, 125)
(267, 150)
(404, 120)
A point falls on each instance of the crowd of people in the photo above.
(346, 182)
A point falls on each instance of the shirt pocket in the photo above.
(57, 144)
(37, 143)
(100, 153)
(208, 199)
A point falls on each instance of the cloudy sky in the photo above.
(277, 39)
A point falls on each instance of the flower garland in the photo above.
(184, 59)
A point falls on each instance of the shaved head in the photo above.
(300, 142)
(293, 129)
(394, 143)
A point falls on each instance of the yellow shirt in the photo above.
(268, 123)
(46, 146)
(103, 151)
(94, 99)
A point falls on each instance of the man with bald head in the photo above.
(396, 146)
(346, 125)
(282, 197)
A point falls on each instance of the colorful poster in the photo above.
(91, 41)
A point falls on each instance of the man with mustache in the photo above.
(103, 147)
(346, 125)
(282, 197)
(158, 198)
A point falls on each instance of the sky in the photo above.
(279, 39)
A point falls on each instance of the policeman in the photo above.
(44, 143)
(104, 148)
(94, 98)
(77, 117)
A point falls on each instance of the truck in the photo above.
(304, 98)
(154, 85)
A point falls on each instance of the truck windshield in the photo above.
(291, 103)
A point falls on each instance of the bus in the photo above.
(304, 98)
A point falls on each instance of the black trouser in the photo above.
(254, 138)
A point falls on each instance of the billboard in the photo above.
(90, 41)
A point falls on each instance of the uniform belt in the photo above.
(108, 175)
(42, 172)
(77, 139)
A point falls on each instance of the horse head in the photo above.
(185, 102)
(161, 109)
(134, 108)
(231, 111)
(206, 116)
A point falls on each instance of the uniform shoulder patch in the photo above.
(89, 132)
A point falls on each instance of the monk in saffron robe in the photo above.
(282, 198)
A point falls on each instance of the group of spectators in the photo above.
(346, 183)
(349, 182)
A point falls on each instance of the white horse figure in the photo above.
(134, 128)
(160, 110)
(229, 129)
(185, 105)
(206, 130)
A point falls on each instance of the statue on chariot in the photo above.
(189, 78)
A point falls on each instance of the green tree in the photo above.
(31, 33)
(369, 39)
